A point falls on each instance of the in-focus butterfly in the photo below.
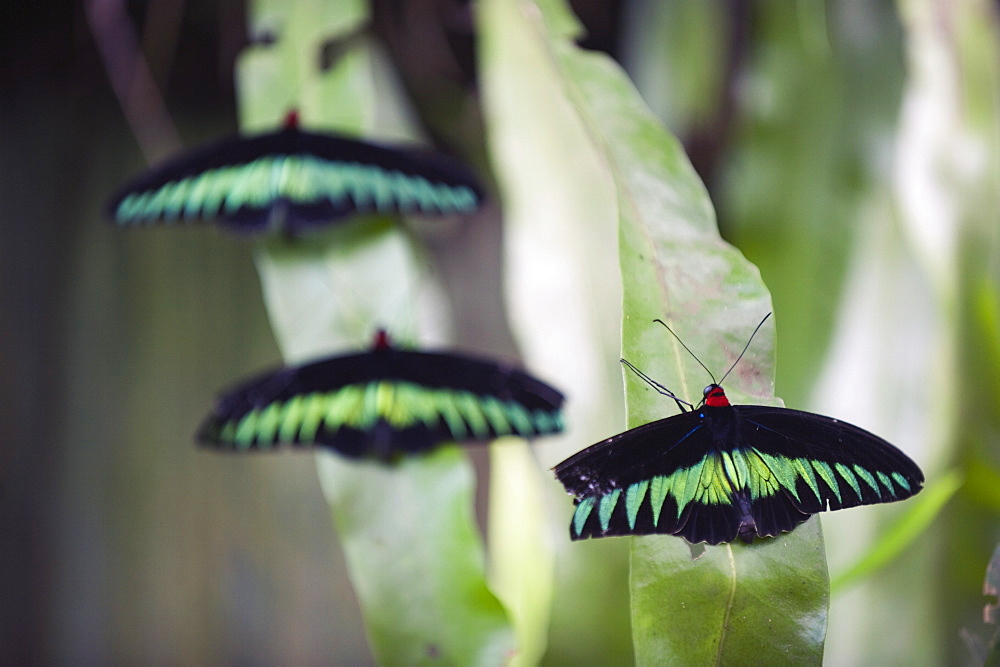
(717, 471)
(383, 403)
(293, 180)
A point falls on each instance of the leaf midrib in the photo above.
(723, 633)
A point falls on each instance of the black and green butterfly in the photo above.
(718, 471)
(294, 180)
(383, 403)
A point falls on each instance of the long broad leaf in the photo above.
(563, 299)
(413, 550)
(412, 544)
(674, 266)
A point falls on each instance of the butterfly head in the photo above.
(381, 341)
(715, 396)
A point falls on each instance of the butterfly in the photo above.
(717, 471)
(383, 403)
(294, 180)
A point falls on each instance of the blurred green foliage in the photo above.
(852, 151)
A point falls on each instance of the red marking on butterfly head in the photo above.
(381, 340)
(292, 119)
(715, 397)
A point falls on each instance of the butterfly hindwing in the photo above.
(382, 403)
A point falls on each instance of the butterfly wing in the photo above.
(635, 455)
(824, 463)
(659, 478)
(716, 474)
(300, 178)
(382, 403)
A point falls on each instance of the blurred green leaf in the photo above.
(408, 531)
(986, 321)
(818, 92)
(675, 53)
(901, 534)
(522, 557)
(982, 483)
(414, 553)
(562, 297)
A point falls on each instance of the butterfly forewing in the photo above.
(825, 462)
(634, 456)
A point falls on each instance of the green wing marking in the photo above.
(901, 481)
(607, 506)
(658, 490)
(633, 500)
(582, 513)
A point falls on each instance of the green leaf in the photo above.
(982, 483)
(522, 555)
(674, 266)
(733, 604)
(562, 296)
(414, 554)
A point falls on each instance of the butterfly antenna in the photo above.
(657, 386)
(745, 347)
(689, 349)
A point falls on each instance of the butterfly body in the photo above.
(720, 472)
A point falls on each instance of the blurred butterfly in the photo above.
(718, 471)
(293, 180)
(383, 403)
